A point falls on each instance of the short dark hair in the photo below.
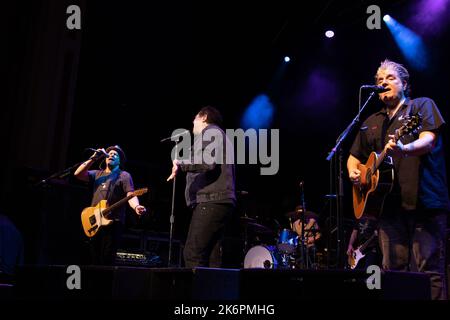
(213, 115)
(119, 150)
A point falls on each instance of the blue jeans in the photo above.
(415, 241)
(203, 246)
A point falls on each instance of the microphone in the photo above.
(377, 89)
(101, 152)
(174, 136)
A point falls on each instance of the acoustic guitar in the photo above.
(377, 175)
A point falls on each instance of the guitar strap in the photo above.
(408, 111)
(112, 185)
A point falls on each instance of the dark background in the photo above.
(138, 70)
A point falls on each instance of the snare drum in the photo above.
(262, 257)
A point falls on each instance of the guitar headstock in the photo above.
(411, 125)
(140, 192)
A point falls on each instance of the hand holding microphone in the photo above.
(98, 153)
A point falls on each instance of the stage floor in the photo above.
(208, 284)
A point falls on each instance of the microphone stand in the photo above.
(58, 175)
(337, 154)
(64, 173)
(176, 139)
(304, 245)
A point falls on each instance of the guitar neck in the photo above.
(368, 241)
(117, 205)
(382, 155)
(380, 159)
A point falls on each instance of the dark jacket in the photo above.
(209, 182)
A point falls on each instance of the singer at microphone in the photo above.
(374, 88)
(112, 187)
(210, 194)
(410, 131)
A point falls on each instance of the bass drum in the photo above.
(265, 257)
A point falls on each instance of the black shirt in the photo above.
(420, 182)
(213, 182)
(366, 227)
(112, 187)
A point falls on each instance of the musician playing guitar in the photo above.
(111, 184)
(363, 249)
(412, 220)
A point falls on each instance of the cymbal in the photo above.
(294, 215)
(258, 228)
(246, 219)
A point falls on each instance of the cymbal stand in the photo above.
(304, 263)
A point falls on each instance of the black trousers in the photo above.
(103, 246)
(203, 246)
(415, 241)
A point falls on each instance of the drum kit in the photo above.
(289, 248)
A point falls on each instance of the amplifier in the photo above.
(126, 258)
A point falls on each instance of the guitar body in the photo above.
(353, 260)
(92, 218)
(368, 197)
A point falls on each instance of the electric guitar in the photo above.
(92, 218)
(359, 253)
(377, 175)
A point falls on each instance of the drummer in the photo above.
(312, 231)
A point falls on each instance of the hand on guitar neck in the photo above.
(394, 148)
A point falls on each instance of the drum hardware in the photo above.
(295, 248)
(254, 230)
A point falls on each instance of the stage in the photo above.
(56, 282)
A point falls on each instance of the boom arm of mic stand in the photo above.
(60, 174)
(347, 130)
